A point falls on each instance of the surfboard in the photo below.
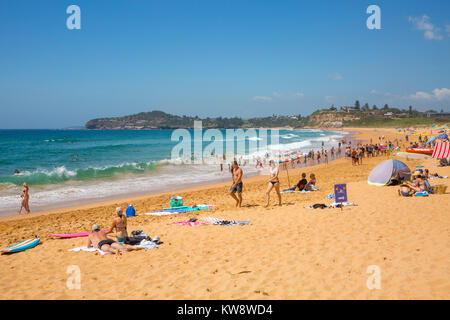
(72, 235)
(21, 246)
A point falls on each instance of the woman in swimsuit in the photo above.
(312, 182)
(25, 198)
(273, 182)
(120, 224)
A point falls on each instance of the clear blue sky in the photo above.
(217, 58)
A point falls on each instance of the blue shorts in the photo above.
(237, 188)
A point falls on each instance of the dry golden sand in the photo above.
(286, 252)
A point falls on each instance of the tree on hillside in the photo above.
(365, 107)
(374, 107)
(410, 111)
(386, 106)
(357, 105)
(332, 108)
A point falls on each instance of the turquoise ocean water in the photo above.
(77, 166)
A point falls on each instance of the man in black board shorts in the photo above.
(236, 173)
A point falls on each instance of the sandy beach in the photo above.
(287, 252)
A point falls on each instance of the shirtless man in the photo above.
(98, 239)
(237, 183)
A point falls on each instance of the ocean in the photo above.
(71, 167)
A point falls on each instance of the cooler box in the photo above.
(176, 201)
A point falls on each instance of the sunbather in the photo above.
(120, 224)
(311, 185)
(98, 239)
(300, 184)
(405, 190)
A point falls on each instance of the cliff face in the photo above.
(331, 119)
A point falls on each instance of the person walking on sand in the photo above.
(274, 182)
(98, 239)
(25, 199)
(236, 173)
(120, 224)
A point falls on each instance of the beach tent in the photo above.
(382, 174)
(441, 136)
(441, 150)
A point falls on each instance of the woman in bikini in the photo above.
(25, 198)
(312, 183)
(120, 224)
(274, 182)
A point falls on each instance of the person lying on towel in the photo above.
(98, 239)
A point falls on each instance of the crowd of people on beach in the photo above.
(354, 151)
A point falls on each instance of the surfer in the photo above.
(25, 199)
(98, 239)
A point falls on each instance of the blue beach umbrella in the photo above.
(441, 136)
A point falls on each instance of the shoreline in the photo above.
(285, 252)
(99, 201)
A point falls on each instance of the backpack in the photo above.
(130, 212)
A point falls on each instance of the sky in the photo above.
(217, 58)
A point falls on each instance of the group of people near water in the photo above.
(236, 188)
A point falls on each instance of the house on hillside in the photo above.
(348, 109)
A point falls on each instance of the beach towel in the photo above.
(183, 209)
(164, 212)
(90, 249)
(442, 177)
(223, 222)
(145, 244)
(316, 206)
(292, 191)
(188, 223)
(421, 194)
(336, 205)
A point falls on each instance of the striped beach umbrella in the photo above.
(287, 156)
(441, 150)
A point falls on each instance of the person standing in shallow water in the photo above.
(25, 199)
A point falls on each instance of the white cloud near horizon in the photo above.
(279, 96)
(423, 23)
(336, 76)
(436, 94)
(262, 98)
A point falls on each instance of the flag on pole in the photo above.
(441, 150)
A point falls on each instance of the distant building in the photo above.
(388, 114)
(440, 114)
(349, 109)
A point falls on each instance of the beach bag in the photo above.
(130, 212)
(175, 201)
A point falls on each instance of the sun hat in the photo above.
(417, 173)
(95, 227)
